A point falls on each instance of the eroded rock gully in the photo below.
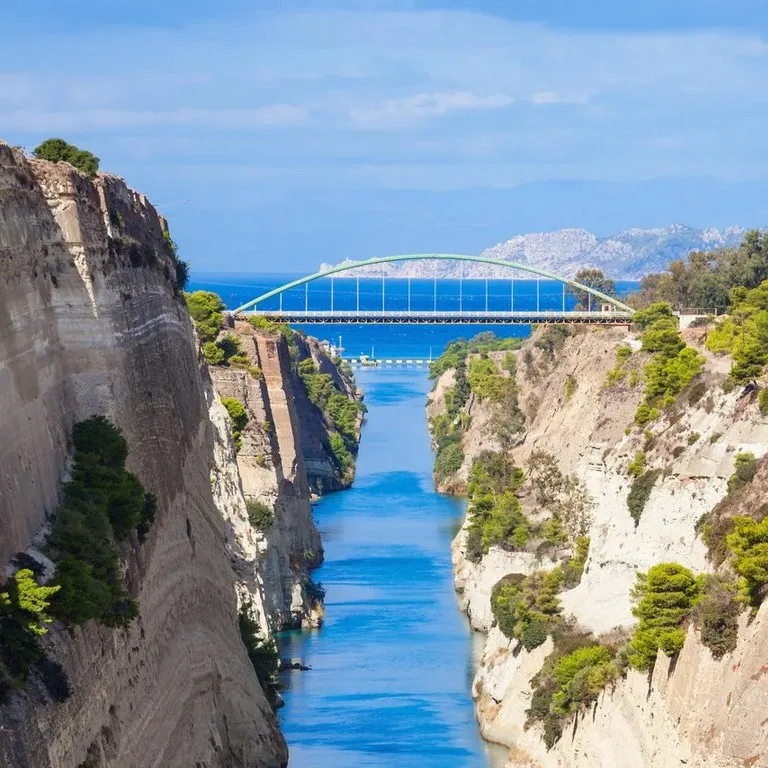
(692, 711)
(92, 322)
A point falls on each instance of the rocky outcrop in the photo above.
(694, 710)
(91, 322)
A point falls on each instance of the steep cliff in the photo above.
(283, 457)
(91, 322)
(693, 710)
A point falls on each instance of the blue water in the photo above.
(392, 666)
(410, 341)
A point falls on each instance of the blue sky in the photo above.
(276, 135)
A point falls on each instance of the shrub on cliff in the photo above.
(238, 416)
(748, 544)
(744, 470)
(260, 515)
(206, 310)
(716, 615)
(262, 653)
(24, 617)
(58, 150)
(101, 504)
(640, 492)
(663, 599)
(528, 608)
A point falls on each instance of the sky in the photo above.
(278, 135)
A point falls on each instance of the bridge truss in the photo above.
(601, 308)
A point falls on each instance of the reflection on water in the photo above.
(391, 668)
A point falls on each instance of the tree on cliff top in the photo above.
(592, 278)
(58, 150)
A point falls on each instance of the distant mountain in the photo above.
(627, 255)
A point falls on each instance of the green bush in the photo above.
(239, 418)
(636, 467)
(663, 599)
(24, 618)
(748, 544)
(260, 515)
(101, 504)
(486, 381)
(716, 615)
(58, 150)
(457, 351)
(581, 676)
(693, 437)
(744, 470)
(570, 386)
(262, 653)
(573, 568)
(448, 460)
(206, 310)
(528, 608)
(640, 492)
(213, 353)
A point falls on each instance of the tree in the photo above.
(663, 600)
(592, 278)
(206, 310)
(749, 545)
(58, 150)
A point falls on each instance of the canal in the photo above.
(392, 665)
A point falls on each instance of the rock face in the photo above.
(284, 455)
(91, 322)
(627, 255)
(695, 711)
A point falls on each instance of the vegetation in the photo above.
(285, 330)
(663, 600)
(619, 372)
(102, 505)
(592, 278)
(570, 386)
(340, 411)
(744, 333)
(239, 418)
(571, 678)
(705, 280)
(748, 543)
(206, 309)
(673, 366)
(458, 351)
(260, 515)
(527, 608)
(262, 653)
(181, 267)
(58, 150)
(573, 568)
(495, 513)
(640, 492)
(564, 497)
(637, 465)
(716, 615)
(744, 470)
(24, 618)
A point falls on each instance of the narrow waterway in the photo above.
(392, 666)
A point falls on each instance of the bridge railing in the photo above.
(278, 313)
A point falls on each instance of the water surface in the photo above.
(392, 666)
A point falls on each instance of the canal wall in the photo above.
(693, 709)
(92, 321)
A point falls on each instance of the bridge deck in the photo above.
(444, 318)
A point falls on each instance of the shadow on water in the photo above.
(391, 669)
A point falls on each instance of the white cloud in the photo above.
(554, 97)
(403, 111)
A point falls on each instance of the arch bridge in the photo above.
(601, 308)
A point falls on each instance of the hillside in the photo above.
(626, 255)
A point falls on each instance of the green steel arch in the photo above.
(433, 256)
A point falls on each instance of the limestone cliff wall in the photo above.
(91, 322)
(696, 711)
(283, 459)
